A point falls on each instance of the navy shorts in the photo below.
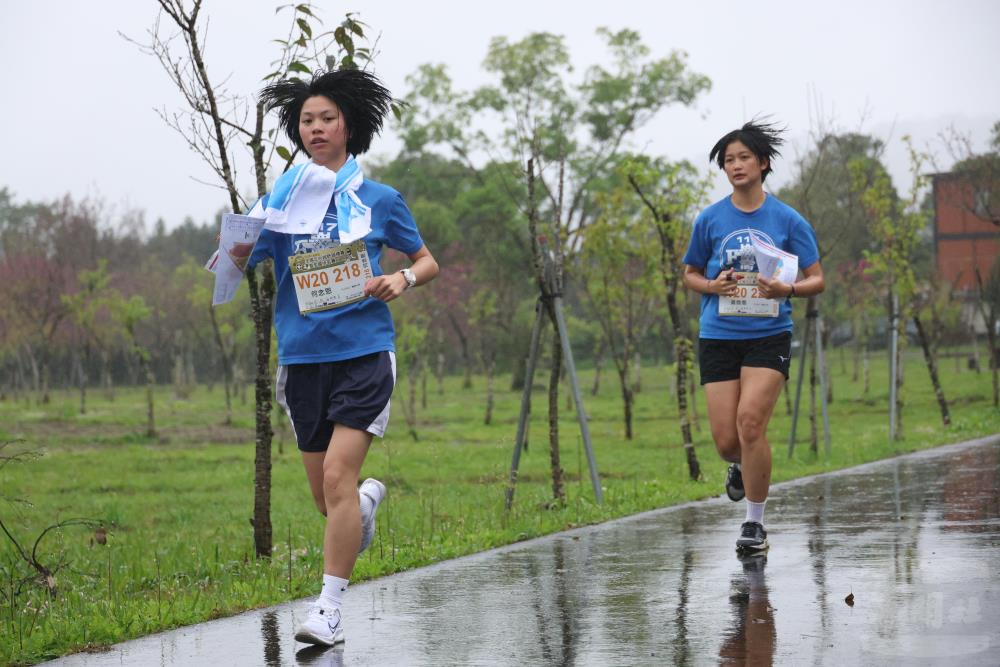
(353, 392)
(721, 360)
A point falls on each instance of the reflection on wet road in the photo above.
(915, 539)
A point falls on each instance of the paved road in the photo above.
(916, 539)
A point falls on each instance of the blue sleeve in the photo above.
(401, 231)
(803, 242)
(263, 250)
(699, 251)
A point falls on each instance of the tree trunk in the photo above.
(558, 491)
(466, 355)
(825, 370)
(813, 435)
(109, 385)
(867, 372)
(439, 373)
(147, 372)
(931, 360)
(682, 352)
(81, 378)
(626, 398)
(598, 364)
(261, 300)
(423, 389)
(489, 365)
(637, 385)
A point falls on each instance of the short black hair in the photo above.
(761, 138)
(360, 96)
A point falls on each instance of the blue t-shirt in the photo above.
(352, 330)
(720, 239)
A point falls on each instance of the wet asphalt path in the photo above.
(916, 539)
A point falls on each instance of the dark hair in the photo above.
(761, 138)
(362, 99)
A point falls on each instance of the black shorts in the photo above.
(353, 392)
(721, 360)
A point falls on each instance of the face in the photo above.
(323, 132)
(742, 166)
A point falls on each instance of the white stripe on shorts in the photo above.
(280, 380)
(378, 426)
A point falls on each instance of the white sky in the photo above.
(77, 112)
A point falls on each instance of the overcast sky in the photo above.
(78, 102)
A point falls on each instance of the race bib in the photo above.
(331, 277)
(746, 302)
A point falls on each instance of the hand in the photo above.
(725, 283)
(386, 288)
(773, 288)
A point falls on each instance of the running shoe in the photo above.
(323, 626)
(753, 537)
(734, 483)
(372, 492)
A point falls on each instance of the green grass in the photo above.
(177, 507)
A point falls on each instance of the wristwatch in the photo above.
(411, 279)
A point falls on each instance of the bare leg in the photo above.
(723, 399)
(759, 391)
(333, 479)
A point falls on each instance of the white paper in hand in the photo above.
(773, 262)
(237, 239)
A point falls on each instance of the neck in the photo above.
(749, 198)
(334, 163)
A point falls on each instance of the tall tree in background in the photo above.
(617, 266)
(671, 192)
(561, 137)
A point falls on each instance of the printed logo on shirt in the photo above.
(736, 250)
(322, 239)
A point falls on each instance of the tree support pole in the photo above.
(820, 359)
(575, 386)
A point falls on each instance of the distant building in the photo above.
(966, 235)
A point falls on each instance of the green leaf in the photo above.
(271, 76)
(296, 66)
(355, 27)
(304, 9)
(301, 41)
(396, 111)
(304, 25)
(283, 152)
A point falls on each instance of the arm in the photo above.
(388, 287)
(811, 284)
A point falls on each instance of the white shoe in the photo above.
(372, 492)
(322, 627)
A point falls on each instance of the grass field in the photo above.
(180, 546)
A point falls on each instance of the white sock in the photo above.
(333, 590)
(755, 511)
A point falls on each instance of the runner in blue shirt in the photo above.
(336, 346)
(746, 325)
